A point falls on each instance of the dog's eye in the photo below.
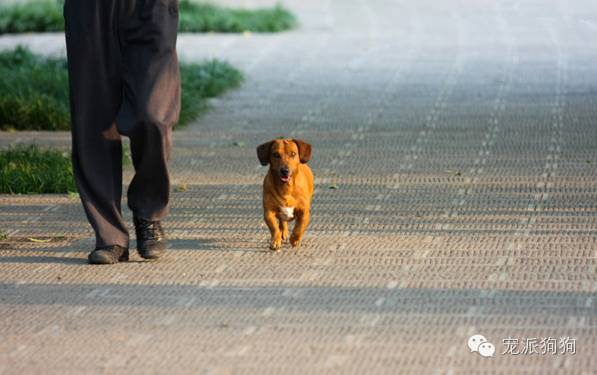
(276, 155)
(292, 154)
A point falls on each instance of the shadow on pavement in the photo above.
(43, 259)
(304, 299)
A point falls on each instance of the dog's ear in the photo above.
(263, 152)
(304, 150)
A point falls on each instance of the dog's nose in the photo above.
(284, 171)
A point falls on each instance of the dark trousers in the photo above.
(124, 80)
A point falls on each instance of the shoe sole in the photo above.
(157, 251)
(123, 258)
(150, 257)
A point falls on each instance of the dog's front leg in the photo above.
(284, 229)
(302, 220)
(272, 224)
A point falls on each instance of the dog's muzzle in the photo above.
(284, 174)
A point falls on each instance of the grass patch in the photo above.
(201, 17)
(205, 80)
(33, 16)
(29, 169)
(34, 90)
(46, 15)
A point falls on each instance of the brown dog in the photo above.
(287, 188)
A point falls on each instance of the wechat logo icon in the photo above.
(479, 344)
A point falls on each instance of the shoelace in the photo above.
(149, 230)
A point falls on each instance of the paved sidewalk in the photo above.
(461, 138)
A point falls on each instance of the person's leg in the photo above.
(95, 95)
(150, 109)
(151, 101)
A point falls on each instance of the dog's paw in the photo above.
(285, 235)
(275, 244)
(295, 241)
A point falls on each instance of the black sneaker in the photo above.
(151, 241)
(109, 255)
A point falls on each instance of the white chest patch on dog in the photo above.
(286, 213)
